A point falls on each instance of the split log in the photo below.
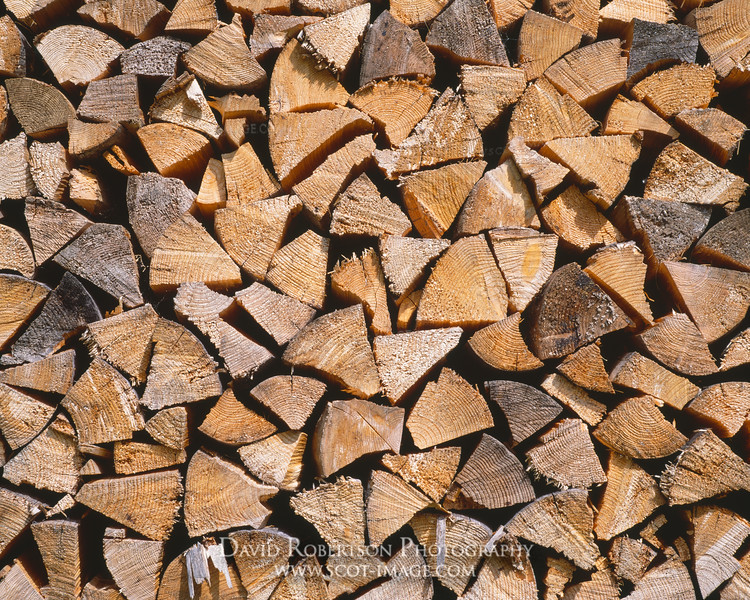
(258, 556)
(336, 345)
(153, 59)
(574, 397)
(724, 406)
(349, 429)
(21, 298)
(231, 422)
(405, 261)
(447, 409)
(726, 49)
(559, 575)
(637, 428)
(181, 101)
(502, 347)
(193, 17)
(219, 495)
(505, 575)
(90, 140)
(41, 109)
(716, 133)
(543, 114)
(678, 88)
(138, 457)
(212, 194)
(147, 503)
(637, 372)
(725, 244)
(526, 409)
(489, 91)
(114, 99)
(585, 368)
(566, 457)
(22, 417)
(706, 467)
(54, 374)
(491, 478)
(617, 15)
(282, 317)
(737, 352)
(135, 564)
(16, 582)
(465, 289)
(175, 151)
(271, 32)
(715, 299)
(15, 254)
(19, 511)
(739, 584)
(142, 21)
(277, 460)
(292, 398)
(327, 7)
(299, 269)
(542, 40)
(59, 542)
(391, 503)
(670, 578)
(306, 582)
(432, 471)
(334, 41)
(558, 326)
(361, 280)
(404, 360)
(391, 49)
(581, 13)
(562, 521)
(169, 427)
(627, 117)
(13, 59)
(630, 558)
(16, 181)
(652, 46)
(50, 169)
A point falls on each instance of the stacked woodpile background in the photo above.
(422, 299)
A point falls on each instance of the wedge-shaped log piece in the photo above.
(715, 132)
(739, 585)
(360, 210)
(601, 164)
(219, 495)
(318, 191)
(87, 190)
(348, 429)
(261, 567)
(16, 182)
(124, 340)
(405, 359)
(719, 533)
(581, 13)
(391, 49)
(490, 91)
(543, 114)
(663, 229)
(466, 33)
(499, 199)
(447, 409)
(224, 61)
(432, 471)
(306, 582)
(139, 457)
(617, 15)
(724, 406)
(135, 564)
(448, 133)
(335, 41)
(676, 89)
(409, 559)
(433, 197)
(298, 84)
(637, 372)
(77, 55)
(299, 268)
(186, 252)
(716, 299)
(585, 368)
(18, 510)
(336, 345)
(17, 582)
(41, 109)
(51, 461)
(193, 17)
(176, 151)
(629, 116)
(15, 254)
(337, 510)
(526, 409)
(675, 341)
(465, 289)
(569, 312)
(181, 369)
(719, 28)
(181, 101)
(562, 521)
(395, 105)
(13, 54)
(705, 468)
(501, 346)
(231, 422)
(391, 502)
(143, 21)
(636, 428)
(670, 579)
(50, 170)
(54, 374)
(114, 99)
(500, 576)
(727, 244)
(360, 279)
(87, 141)
(652, 46)
(681, 174)
(280, 316)
(154, 203)
(252, 232)
(103, 255)
(542, 40)
(591, 75)
(66, 310)
(737, 352)
(631, 495)
(291, 397)
(59, 542)
(300, 141)
(405, 261)
(212, 194)
(276, 460)
(630, 558)
(566, 457)
(491, 478)
(154, 59)
(441, 536)
(169, 427)
(103, 406)
(272, 31)
(20, 299)
(574, 397)
(148, 503)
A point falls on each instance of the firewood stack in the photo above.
(328, 299)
